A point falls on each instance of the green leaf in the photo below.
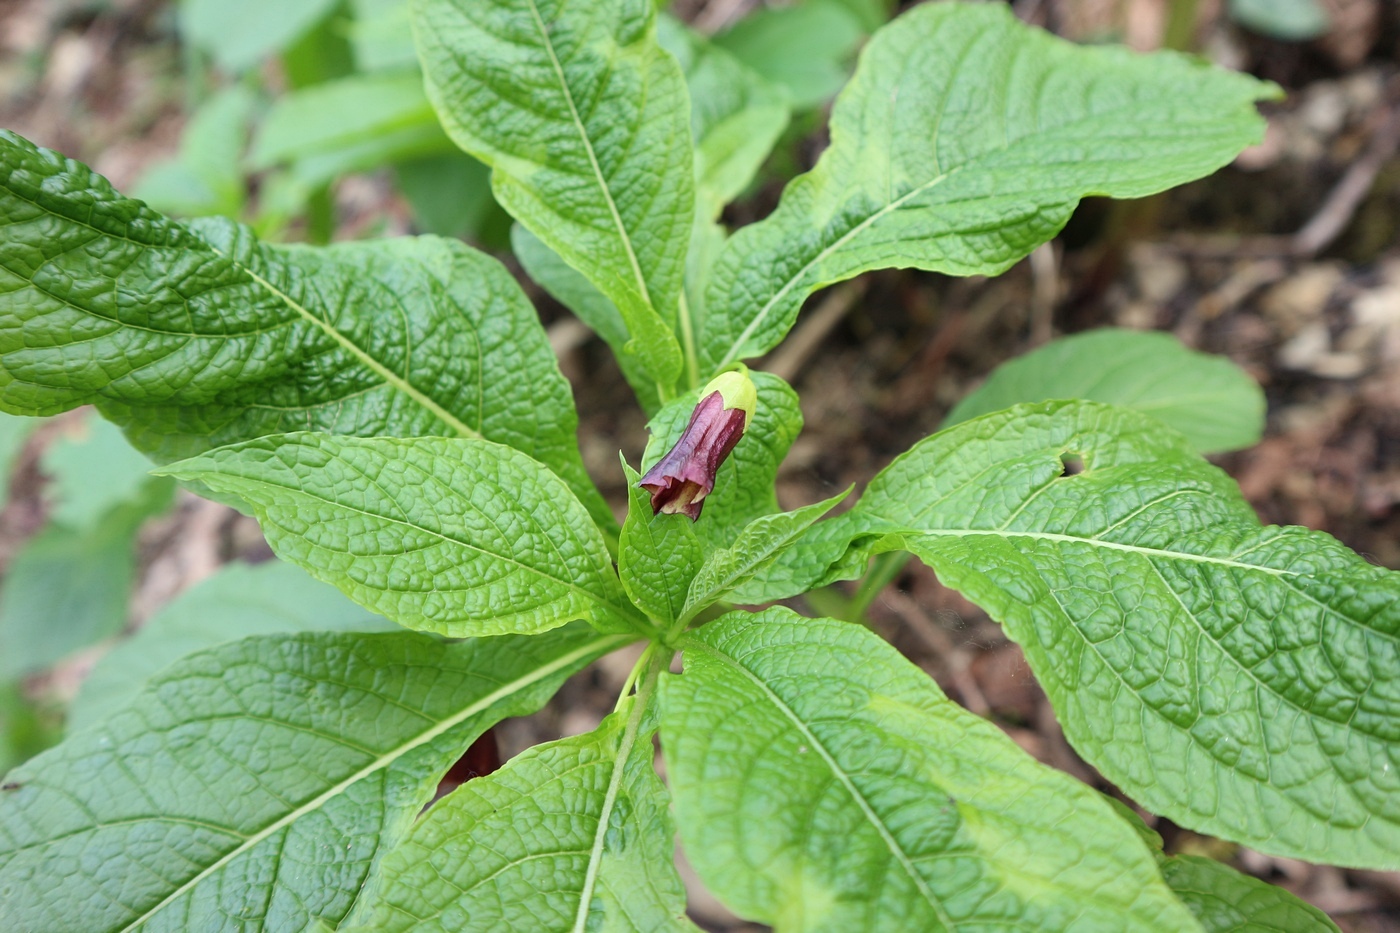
(239, 601)
(382, 35)
(242, 34)
(736, 116)
(762, 540)
(450, 194)
(569, 835)
(744, 484)
(822, 782)
(964, 140)
(257, 785)
(64, 590)
(1226, 901)
(584, 120)
(69, 586)
(196, 336)
(449, 535)
(569, 287)
(806, 47)
(1207, 398)
(353, 124)
(94, 470)
(657, 555)
(1238, 679)
(205, 177)
(1289, 20)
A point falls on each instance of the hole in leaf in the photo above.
(1071, 464)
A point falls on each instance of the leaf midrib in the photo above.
(871, 816)
(624, 612)
(623, 235)
(601, 643)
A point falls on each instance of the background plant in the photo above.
(433, 477)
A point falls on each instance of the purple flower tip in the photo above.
(680, 481)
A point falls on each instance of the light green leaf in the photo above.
(205, 178)
(657, 555)
(257, 785)
(94, 470)
(1240, 680)
(352, 124)
(69, 586)
(762, 540)
(736, 116)
(806, 47)
(1226, 901)
(964, 140)
(584, 120)
(568, 836)
(449, 535)
(239, 601)
(239, 35)
(382, 35)
(822, 782)
(1207, 398)
(196, 336)
(744, 484)
(1289, 20)
(1222, 899)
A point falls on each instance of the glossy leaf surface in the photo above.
(964, 140)
(822, 782)
(258, 783)
(196, 336)
(454, 536)
(1238, 679)
(569, 836)
(585, 122)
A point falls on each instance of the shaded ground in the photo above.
(1286, 262)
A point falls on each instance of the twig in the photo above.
(1045, 288)
(788, 361)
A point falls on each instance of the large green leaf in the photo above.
(195, 336)
(822, 782)
(964, 140)
(256, 785)
(239, 601)
(657, 555)
(744, 483)
(585, 122)
(1242, 680)
(568, 836)
(449, 535)
(1207, 398)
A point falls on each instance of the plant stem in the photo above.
(883, 570)
(635, 673)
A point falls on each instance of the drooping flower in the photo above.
(680, 481)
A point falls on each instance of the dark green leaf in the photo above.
(449, 535)
(257, 785)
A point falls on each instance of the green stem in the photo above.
(692, 362)
(883, 570)
(635, 673)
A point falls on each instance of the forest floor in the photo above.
(1287, 262)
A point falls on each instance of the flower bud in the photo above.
(680, 481)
